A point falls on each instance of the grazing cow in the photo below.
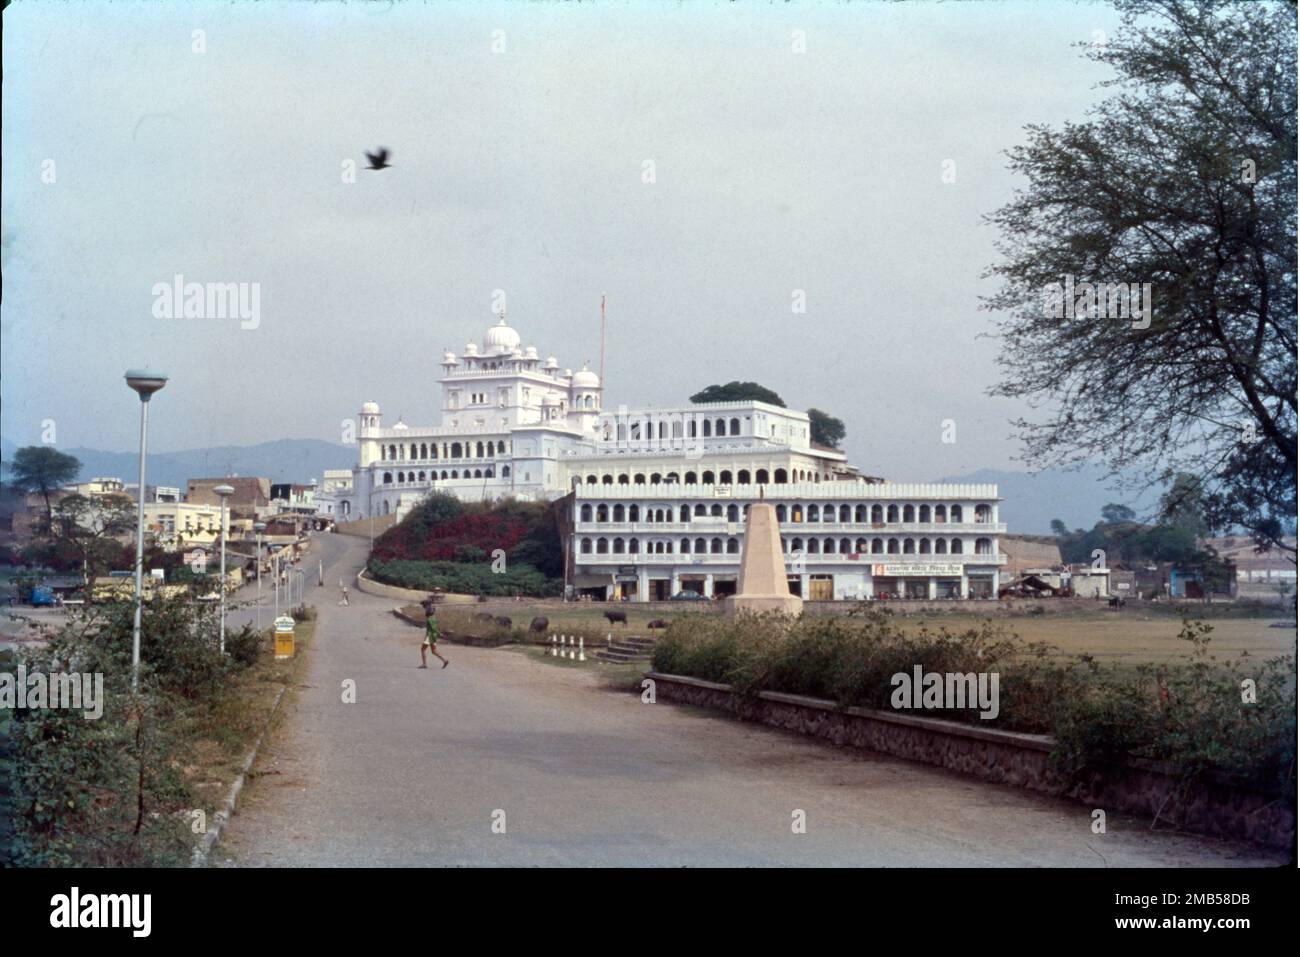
(484, 616)
(1116, 602)
(539, 624)
(505, 622)
(658, 623)
(616, 616)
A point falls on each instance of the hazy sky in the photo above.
(521, 170)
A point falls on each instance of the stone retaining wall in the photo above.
(371, 587)
(365, 527)
(1145, 788)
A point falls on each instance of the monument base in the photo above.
(734, 605)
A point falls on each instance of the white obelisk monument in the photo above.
(763, 585)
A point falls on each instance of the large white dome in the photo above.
(586, 379)
(501, 338)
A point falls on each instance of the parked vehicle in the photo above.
(43, 597)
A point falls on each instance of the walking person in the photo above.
(431, 634)
(344, 589)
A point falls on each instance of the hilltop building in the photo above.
(659, 495)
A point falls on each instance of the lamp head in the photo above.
(145, 381)
(224, 490)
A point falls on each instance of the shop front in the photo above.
(917, 580)
(691, 583)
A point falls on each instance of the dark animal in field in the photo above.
(616, 616)
(658, 623)
(505, 622)
(1116, 602)
(484, 616)
(539, 624)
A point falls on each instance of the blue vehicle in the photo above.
(43, 596)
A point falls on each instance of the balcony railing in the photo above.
(733, 558)
(859, 529)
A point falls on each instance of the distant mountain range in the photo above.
(284, 460)
(1030, 501)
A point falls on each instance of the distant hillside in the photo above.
(1030, 502)
(284, 460)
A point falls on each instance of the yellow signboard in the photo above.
(284, 637)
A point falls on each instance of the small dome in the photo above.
(551, 398)
(551, 363)
(449, 358)
(501, 338)
(517, 354)
(401, 425)
(471, 349)
(586, 379)
(530, 352)
(370, 408)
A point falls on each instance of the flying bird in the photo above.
(379, 160)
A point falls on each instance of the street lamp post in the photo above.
(259, 527)
(224, 491)
(145, 382)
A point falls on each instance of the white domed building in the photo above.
(660, 495)
(508, 418)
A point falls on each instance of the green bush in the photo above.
(1190, 714)
(245, 645)
(466, 579)
(110, 792)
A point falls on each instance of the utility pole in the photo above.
(602, 344)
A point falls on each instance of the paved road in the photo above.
(413, 772)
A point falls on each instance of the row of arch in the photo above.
(403, 478)
(811, 546)
(796, 514)
(692, 429)
(424, 451)
(706, 477)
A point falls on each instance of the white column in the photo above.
(965, 583)
(708, 585)
(933, 589)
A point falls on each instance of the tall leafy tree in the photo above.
(825, 428)
(40, 468)
(1184, 178)
(734, 391)
(1114, 514)
(94, 530)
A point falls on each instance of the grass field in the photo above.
(1127, 636)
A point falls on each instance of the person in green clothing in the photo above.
(431, 635)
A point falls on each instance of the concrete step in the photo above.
(620, 657)
(633, 642)
(617, 645)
